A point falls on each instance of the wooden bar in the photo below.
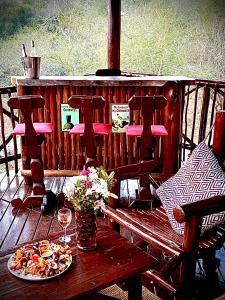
(116, 146)
(53, 106)
(111, 138)
(106, 121)
(67, 137)
(123, 135)
(130, 139)
(65, 152)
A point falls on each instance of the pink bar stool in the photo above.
(136, 130)
(40, 128)
(90, 132)
(147, 105)
(32, 138)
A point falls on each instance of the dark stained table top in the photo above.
(114, 260)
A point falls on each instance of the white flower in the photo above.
(99, 203)
(90, 189)
(89, 192)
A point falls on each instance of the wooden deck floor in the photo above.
(20, 225)
(17, 226)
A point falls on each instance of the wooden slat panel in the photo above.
(106, 120)
(130, 139)
(73, 139)
(48, 119)
(56, 127)
(111, 137)
(123, 99)
(79, 148)
(41, 118)
(137, 121)
(60, 133)
(35, 111)
(116, 136)
(67, 140)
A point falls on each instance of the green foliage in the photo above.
(175, 37)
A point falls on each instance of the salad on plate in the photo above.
(39, 261)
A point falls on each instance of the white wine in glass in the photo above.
(64, 219)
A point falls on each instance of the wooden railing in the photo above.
(201, 101)
(198, 101)
(8, 145)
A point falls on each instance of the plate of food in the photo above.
(40, 261)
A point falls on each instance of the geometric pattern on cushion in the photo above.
(200, 177)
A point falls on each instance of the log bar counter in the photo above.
(65, 152)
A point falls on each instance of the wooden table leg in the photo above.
(134, 288)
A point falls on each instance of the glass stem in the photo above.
(65, 235)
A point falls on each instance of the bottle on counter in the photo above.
(33, 49)
(24, 54)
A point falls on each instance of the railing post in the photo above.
(219, 136)
(114, 29)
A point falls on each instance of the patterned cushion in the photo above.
(199, 178)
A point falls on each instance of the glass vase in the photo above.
(86, 229)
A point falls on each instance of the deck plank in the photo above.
(6, 223)
(5, 182)
(3, 208)
(12, 189)
(17, 225)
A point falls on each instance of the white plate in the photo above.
(31, 277)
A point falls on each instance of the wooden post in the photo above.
(219, 136)
(114, 29)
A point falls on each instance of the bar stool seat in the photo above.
(136, 130)
(40, 128)
(99, 128)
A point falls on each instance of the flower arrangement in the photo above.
(91, 189)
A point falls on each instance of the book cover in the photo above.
(69, 117)
(120, 114)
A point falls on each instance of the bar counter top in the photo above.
(92, 80)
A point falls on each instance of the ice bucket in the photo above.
(31, 66)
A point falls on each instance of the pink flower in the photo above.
(88, 184)
(85, 172)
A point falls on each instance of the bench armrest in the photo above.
(199, 208)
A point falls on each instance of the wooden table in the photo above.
(114, 260)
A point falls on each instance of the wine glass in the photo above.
(64, 219)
